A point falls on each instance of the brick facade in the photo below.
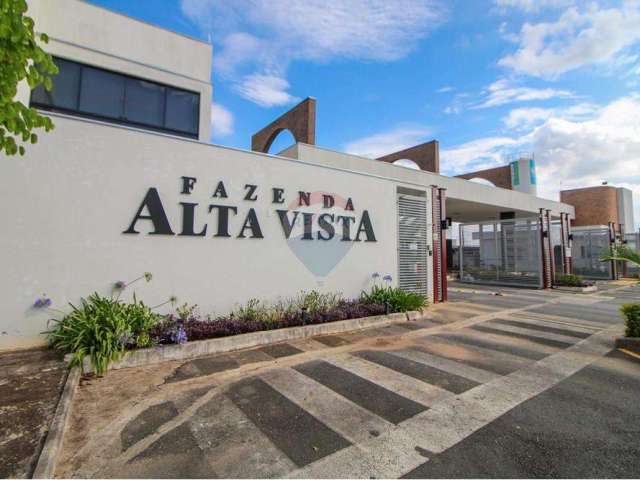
(594, 205)
(426, 156)
(300, 121)
(499, 176)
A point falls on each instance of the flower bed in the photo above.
(102, 328)
(174, 329)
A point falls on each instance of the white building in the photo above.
(128, 183)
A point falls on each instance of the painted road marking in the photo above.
(371, 396)
(419, 371)
(341, 415)
(452, 420)
(299, 435)
(533, 332)
(391, 380)
(457, 368)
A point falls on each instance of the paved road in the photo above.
(519, 385)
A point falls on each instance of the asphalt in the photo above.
(587, 426)
(522, 384)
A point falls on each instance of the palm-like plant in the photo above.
(622, 253)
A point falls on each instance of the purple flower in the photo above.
(119, 285)
(179, 335)
(387, 278)
(375, 275)
(42, 302)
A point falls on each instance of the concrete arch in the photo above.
(425, 155)
(300, 121)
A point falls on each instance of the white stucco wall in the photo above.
(64, 206)
(92, 35)
(458, 189)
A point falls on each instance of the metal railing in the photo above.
(504, 252)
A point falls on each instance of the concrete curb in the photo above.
(629, 343)
(189, 350)
(52, 447)
(564, 288)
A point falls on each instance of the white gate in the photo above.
(413, 244)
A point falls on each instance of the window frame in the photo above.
(121, 121)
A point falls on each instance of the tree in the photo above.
(21, 58)
(624, 254)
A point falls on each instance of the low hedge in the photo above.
(631, 312)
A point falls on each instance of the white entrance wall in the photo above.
(65, 205)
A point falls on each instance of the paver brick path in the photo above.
(385, 402)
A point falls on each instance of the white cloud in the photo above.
(502, 91)
(528, 117)
(531, 5)
(569, 153)
(476, 155)
(283, 31)
(401, 137)
(265, 90)
(221, 120)
(576, 39)
(445, 89)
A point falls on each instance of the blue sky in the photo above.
(559, 78)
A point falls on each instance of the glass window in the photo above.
(102, 93)
(182, 111)
(144, 102)
(66, 83)
(91, 91)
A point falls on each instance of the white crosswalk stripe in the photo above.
(532, 333)
(397, 382)
(341, 415)
(446, 365)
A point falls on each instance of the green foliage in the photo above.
(569, 280)
(314, 301)
(624, 254)
(102, 327)
(631, 312)
(398, 300)
(21, 59)
(185, 311)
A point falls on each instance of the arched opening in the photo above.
(482, 181)
(406, 163)
(281, 140)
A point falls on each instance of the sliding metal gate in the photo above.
(413, 244)
(505, 252)
(588, 246)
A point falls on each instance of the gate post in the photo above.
(544, 237)
(552, 259)
(439, 245)
(443, 240)
(612, 242)
(566, 248)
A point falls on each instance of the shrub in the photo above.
(316, 302)
(102, 328)
(398, 300)
(569, 280)
(631, 312)
(256, 316)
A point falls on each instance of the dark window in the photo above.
(102, 93)
(97, 93)
(66, 86)
(145, 102)
(182, 111)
